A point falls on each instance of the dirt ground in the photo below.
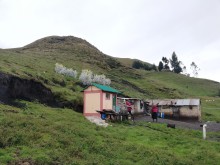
(195, 125)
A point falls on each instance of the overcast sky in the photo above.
(142, 29)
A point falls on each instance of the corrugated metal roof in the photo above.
(188, 102)
(176, 102)
(128, 98)
(106, 88)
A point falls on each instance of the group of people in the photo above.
(154, 110)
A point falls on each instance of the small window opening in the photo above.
(107, 96)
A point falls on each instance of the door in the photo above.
(114, 102)
(176, 112)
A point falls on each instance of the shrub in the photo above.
(101, 79)
(87, 78)
(59, 68)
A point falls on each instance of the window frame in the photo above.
(107, 96)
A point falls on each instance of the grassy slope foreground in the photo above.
(42, 135)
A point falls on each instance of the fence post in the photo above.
(204, 131)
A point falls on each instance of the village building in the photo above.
(99, 97)
(136, 104)
(181, 109)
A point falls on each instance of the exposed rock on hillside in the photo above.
(12, 87)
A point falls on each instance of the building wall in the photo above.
(107, 103)
(166, 111)
(95, 99)
(137, 107)
(92, 101)
(187, 112)
(182, 112)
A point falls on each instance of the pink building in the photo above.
(99, 97)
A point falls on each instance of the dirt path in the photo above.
(211, 126)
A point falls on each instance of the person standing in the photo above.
(129, 108)
(154, 112)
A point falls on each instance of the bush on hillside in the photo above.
(141, 65)
(101, 79)
(87, 78)
(59, 68)
(137, 64)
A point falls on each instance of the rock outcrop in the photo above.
(12, 87)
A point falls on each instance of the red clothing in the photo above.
(154, 109)
(128, 104)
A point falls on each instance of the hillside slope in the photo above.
(34, 133)
(37, 135)
(37, 61)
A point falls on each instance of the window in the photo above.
(107, 96)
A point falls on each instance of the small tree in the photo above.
(160, 67)
(86, 77)
(154, 67)
(166, 63)
(101, 79)
(146, 67)
(137, 64)
(184, 70)
(194, 68)
(175, 64)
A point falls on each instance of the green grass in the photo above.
(211, 109)
(45, 135)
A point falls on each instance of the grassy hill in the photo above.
(39, 134)
(37, 61)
